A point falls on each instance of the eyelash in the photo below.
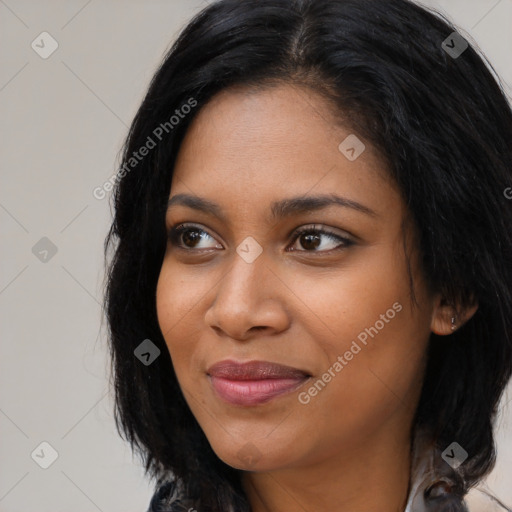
(176, 231)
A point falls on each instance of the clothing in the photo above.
(427, 468)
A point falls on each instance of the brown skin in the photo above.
(297, 304)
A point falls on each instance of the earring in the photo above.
(454, 320)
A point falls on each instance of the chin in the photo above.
(248, 457)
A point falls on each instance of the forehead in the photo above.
(258, 145)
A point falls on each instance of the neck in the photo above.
(373, 476)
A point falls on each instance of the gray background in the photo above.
(63, 120)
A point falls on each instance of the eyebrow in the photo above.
(279, 209)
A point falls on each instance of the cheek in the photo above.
(351, 299)
(365, 316)
(371, 374)
(176, 300)
(179, 293)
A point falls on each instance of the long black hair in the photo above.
(441, 121)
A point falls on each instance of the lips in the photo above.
(254, 382)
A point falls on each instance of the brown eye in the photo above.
(314, 239)
(190, 237)
(310, 241)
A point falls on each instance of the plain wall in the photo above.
(63, 120)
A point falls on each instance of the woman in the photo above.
(309, 300)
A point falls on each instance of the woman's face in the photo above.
(332, 305)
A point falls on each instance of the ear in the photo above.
(447, 318)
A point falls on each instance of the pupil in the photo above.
(310, 241)
(191, 236)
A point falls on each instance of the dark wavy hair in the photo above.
(444, 126)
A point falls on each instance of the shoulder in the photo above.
(481, 499)
(436, 485)
(170, 497)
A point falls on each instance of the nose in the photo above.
(249, 301)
